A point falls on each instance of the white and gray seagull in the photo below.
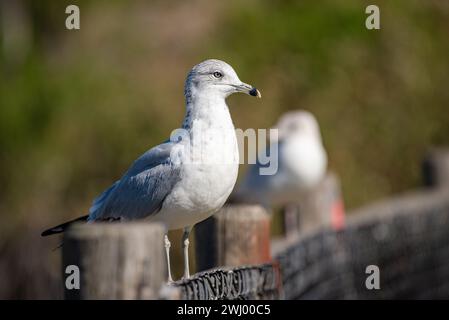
(302, 163)
(190, 176)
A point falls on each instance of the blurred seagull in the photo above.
(302, 163)
(189, 177)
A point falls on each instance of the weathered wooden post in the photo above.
(115, 260)
(321, 207)
(436, 168)
(236, 235)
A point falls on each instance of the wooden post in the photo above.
(291, 220)
(323, 206)
(436, 168)
(115, 260)
(236, 235)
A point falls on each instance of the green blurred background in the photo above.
(77, 107)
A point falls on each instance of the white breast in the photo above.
(303, 163)
(209, 171)
(305, 160)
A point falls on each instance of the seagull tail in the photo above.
(62, 227)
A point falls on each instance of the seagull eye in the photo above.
(218, 75)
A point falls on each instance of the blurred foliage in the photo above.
(77, 107)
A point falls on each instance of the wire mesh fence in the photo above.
(249, 282)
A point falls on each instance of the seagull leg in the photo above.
(167, 251)
(185, 247)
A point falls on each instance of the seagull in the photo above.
(302, 163)
(189, 177)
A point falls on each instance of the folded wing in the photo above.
(142, 190)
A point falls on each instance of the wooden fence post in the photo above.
(436, 168)
(236, 235)
(115, 261)
(321, 207)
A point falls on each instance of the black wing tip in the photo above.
(51, 231)
(61, 228)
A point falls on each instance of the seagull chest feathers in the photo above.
(304, 160)
(209, 161)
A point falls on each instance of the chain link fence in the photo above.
(249, 282)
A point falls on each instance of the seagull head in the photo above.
(216, 77)
(299, 122)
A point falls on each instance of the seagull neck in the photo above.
(210, 108)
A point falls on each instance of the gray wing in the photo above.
(98, 202)
(254, 187)
(142, 190)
